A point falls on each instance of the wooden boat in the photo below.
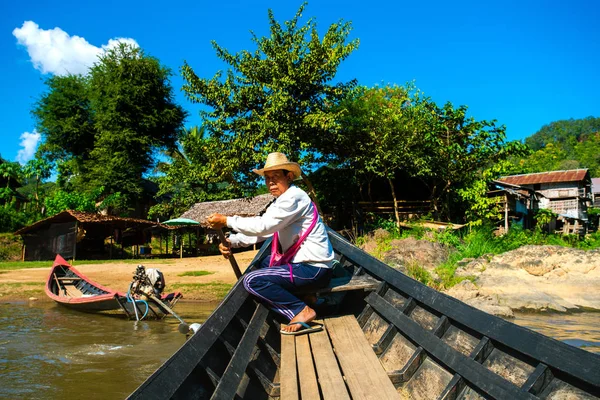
(70, 288)
(386, 336)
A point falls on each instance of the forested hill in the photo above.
(566, 144)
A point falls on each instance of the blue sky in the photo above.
(523, 63)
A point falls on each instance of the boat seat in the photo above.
(69, 278)
(335, 363)
(346, 283)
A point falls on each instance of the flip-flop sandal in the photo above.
(306, 328)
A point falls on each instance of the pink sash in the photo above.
(278, 259)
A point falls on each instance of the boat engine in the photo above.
(147, 282)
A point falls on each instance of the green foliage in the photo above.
(379, 132)
(543, 217)
(456, 149)
(134, 116)
(11, 220)
(65, 119)
(483, 209)
(561, 145)
(275, 98)
(10, 245)
(62, 200)
(103, 129)
(189, 177)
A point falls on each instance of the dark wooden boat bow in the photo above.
(426, 344)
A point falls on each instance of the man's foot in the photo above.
(310, 299)
(306, 315)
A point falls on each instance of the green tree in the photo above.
(276, 98)
(455, 149)
(379, 132)
(65, 119)
(103, 130)
(134, 116)
(10, 172)
(37, 169)
(188, 176)
(561, 145)
(61, 200)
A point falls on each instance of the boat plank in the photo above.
(237, 365)
(330, 377)
(309, 388)
(364, 374)
(288, 376)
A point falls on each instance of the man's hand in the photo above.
(217, 221)
(225, 249)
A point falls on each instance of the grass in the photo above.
(196, 273)
(12, 265)
(208, 291)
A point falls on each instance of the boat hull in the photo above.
(71, 289)
(430, 345)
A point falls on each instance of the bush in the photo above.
(11, 220)
(10, 247)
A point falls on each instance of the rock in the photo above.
(541, 278)
(411, 251)
(468, 293)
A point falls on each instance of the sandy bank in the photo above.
(25, 283)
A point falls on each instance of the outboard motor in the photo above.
(147, 282)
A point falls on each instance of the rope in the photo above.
(130, 299)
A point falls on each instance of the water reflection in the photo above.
(577, 329)
(47, 351)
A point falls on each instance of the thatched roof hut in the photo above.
(242, 207)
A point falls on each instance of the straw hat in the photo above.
(277, 161)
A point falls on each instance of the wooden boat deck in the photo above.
(426, 344)
(335, 363)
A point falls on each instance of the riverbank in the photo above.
(205, 279)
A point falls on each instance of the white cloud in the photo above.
(54, 51)
(29, 143)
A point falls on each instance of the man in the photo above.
(301, 254)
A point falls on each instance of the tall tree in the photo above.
(65, 119)
(379, 131)
(188, 176)
(134, 116)
(275, 98)
(103, 130)
(456, 148)
(37, 169)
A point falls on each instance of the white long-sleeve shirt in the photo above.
(291, 214)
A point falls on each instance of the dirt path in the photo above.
(25, 283)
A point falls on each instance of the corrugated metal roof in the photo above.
(573, 175)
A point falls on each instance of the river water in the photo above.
(49, 352)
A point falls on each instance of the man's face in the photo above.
(277, 182)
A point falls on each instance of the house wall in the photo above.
(564, 198)
(45, 244)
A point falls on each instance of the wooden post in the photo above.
(505, 213)
(111, 245)
(181, 245)
(75, 244)
(23, 252)
(160, 242)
